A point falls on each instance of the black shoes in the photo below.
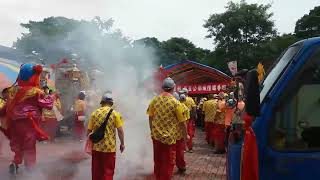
(182, 170)
(13, 169)
(219, 151)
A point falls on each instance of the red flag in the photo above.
(159, 76)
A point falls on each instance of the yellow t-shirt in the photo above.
(108, 144)
(79, 105)
(210, 110)
(166, 113)
(221, 112)
(190, 103)
(186, 111)
(186, 114)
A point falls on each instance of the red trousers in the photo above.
(103, 165)
(50, 126)
(164, 157)
(219, 136)
(180, 147)
(209, 128)
(79, 129)
(191, 132)
(23, 142)
(191, 128)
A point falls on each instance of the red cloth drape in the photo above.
(41, 135)
(249, 164)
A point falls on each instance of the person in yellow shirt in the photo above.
(219, 125)
(79, 116)
(189, 102)
(104, 152)
(210, 109)
(165, 118)
(200, 114)
(180, 144)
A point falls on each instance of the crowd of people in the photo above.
(30, 114)
(172, 119)
(218, 112)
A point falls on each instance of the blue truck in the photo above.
(287, 127)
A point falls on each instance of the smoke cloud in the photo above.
(124, 66)
(124, 74)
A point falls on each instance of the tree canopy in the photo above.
(240, 30)
(244, 32)
(309, 25)
(173, 50)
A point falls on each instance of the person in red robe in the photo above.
(23, 113)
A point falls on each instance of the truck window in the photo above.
(276, 72)
(296, 125)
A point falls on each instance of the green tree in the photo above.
(178, 49)
(309, 25)
(215, 59)
(240, 30)
(271, 50)
(173, 50)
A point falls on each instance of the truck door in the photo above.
(293, 150)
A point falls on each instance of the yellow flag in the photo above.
(261, 72)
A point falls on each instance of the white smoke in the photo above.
(124, 79)
(125, 67)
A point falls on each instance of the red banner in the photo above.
(208, 88)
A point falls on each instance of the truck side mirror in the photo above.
(252, 94)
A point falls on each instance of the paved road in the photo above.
(202, 164)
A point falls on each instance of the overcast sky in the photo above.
(141, 18)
